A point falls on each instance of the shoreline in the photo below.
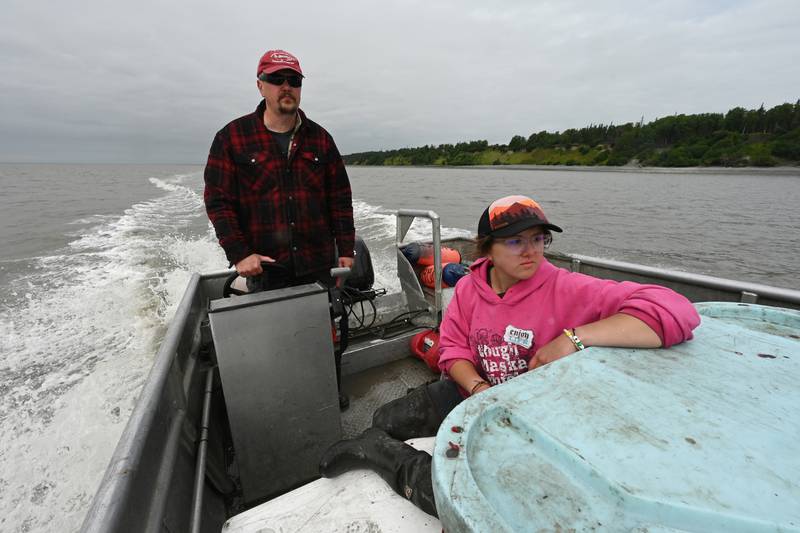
(792, 171)
(765, 171)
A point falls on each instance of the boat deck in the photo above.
(376, 386)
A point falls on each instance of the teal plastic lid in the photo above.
(703, 436)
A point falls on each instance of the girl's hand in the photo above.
(557, 348)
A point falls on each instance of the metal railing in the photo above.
(405, 217)
(744, 292)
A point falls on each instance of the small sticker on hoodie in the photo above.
(521, 337)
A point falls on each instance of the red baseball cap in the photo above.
(275, 60)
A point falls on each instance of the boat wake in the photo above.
(78, 330)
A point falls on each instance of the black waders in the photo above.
(381, 448)
(405, 469)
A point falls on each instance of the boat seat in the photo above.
(358, 500)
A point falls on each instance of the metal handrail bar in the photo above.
(767, 291)
(437, 249)
(200, 471)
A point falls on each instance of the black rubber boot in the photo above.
(412, 416)
(405, 469)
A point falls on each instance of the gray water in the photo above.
(94, 260)
(732, 225)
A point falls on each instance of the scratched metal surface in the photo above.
(372, 388)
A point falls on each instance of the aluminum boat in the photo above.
(242, 400)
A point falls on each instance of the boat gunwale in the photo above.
(107, 508)
(700, 280)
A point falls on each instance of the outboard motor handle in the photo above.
(335, 292)
(337, 311)
(340, 272)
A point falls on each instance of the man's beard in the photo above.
(289, 107)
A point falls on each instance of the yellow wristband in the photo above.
(574, 338)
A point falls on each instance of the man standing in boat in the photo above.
(276, 189)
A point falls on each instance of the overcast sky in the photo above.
(152, 81)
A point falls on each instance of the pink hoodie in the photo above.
(500, 335)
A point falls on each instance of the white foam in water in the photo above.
(77, 346)
(78, 336)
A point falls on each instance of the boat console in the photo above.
(276, 365)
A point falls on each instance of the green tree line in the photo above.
(740, 137)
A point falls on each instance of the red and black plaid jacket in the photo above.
(291, 209)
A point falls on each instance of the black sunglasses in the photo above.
(294, 80)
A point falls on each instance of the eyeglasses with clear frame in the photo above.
(516, 245)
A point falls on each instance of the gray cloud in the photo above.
(100, 81)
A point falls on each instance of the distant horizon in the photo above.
(98, 163)
(784, 170)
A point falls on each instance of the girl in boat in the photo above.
(513, 314)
